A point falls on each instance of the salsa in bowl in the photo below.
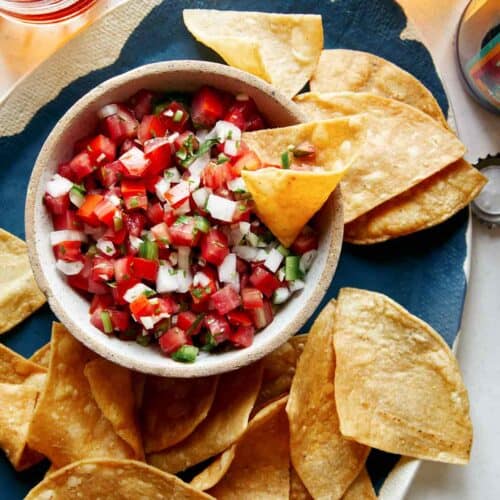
(148, 225)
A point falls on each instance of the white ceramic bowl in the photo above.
(72, 309)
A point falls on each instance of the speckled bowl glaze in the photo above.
(72, 309)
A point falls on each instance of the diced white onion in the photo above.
(306, 260)
(184, 209)
(115, 200)
(273, 260)
(235, 234)
(227, 269)
(108, 110)
(281, 295)
(230, 148)
(200, 196)
(57, 237)
(293, 286)
(281, 274)
(76, 198)
(252, 238)
(199, 164)
(224, 130)
(261, 255)
(185, 280)
(221, 208)
(69, 268)
(246, 253)
(172, 137)
(166, 280)
(136, 291)
(173, 258)
(135, 242)
(194, 182)
(58, 186)
(133, 159)
(148, 322)
(201, 279)
(237, 184)
(106, 247)
(201, 135)
(183, 257)
(172, 175)
(161, 187)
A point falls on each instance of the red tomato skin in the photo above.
(217, 326)
(214, 246)
(56, 205)
(243, 336)
(183, 234)
(262, 316)
(172, 340)
(304, 242)
(141, 103)
(185, 321)
(264, 280)
(151, 126)
(121, 289)
(207, 107)
(81, 165)
(101, 149)
(134, 222)
(226, 299)
(144, 269)
(69, 251)
(239, 318)
(110, 173)
(169, 113)
(102, 269)
(252, 298)
(155, 213)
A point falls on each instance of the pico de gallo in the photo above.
(153, 222)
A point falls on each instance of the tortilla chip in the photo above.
(279, 369)
(282, 49)
(326, 462)
(112, 480)
(42, 356)
(210, 476)
(260, 468)
(398, 386)
(68, 424)
(341, 70)
(361, 488)
(421, 207)
(172, 408)
(111, 387)
(297, 489)
(19, 293)
(14, 369)
(402, 147)
(225, 423)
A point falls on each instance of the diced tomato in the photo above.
(65, 170)
(172, 340)
(235, 116)
(103, 269)
(127, 145)
(67, 220)
(121, 289)
(243, 211)
(141, 103)
(262, 316)
(239, 318)
(56, 205)
(96, 319)
(144, 269)
(110, 173)
(81, 144)
(242, 267)
(117, 237)
(169, 216)
(214, 246)
(243, 336)
(254, 122)
(120, 320)
(134, 163)
(226, 299)
(178, 194)
(245, 115)
(101, 149)
(69, 251)
(155, 213)
(134, 194)
(151, 126)
(87, 211)
(207, 107)
(159, 153)
(166, 304)
(141, 306)
(218, 327)
(176, 117)
(199, 293)
(249, 161)
(83, 280)
(105, 211)
(252, 298)
(264, 280)
(81, 165)
(100, 302)
(135, 223)
(186, 320)
(123, 269)
(183, 232)
(216, 176)
(161, 234)
(121, 125)
(304, 242)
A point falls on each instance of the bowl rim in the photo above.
(182, 370)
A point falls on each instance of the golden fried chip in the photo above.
(14, 369)
(111, 387)
(113, 480)
(42, 356)
(225, 423)
(402, 147)
(19, 293)
(297, 489)
(326, 462)
(261, 464)
(279, 369)
(398, 386)
(210, 476)
(282, 49)
(172, 408)
(68, 424)
(341, 70)
(425, 205)
(361, 488)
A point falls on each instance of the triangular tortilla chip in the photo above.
(397, 384)
(225, 423)
(361, 488)
(68, 424)
(113, 480)
(297, 489)
(326, 462)
(402, 147)
(173, 407)
(260, 468)
(42, 356)
(341, 70)
(14, 369)
(111, 387)
(19, 293)
(282, 49)
(210, 476)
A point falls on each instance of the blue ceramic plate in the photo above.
(424, 272)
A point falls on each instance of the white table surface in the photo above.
(23, 47)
